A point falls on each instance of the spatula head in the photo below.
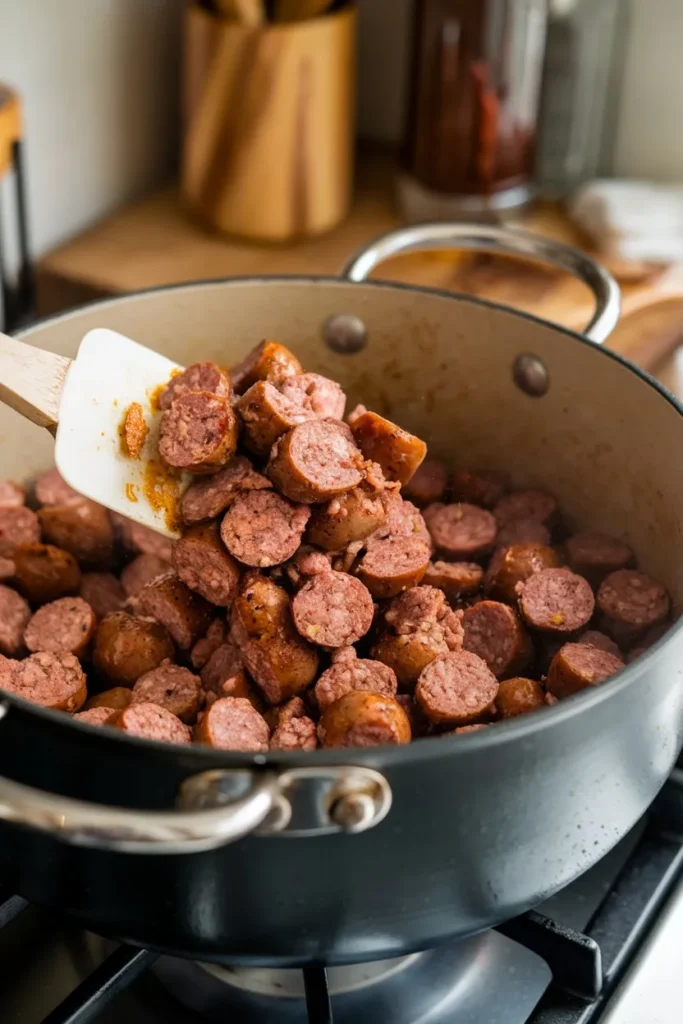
(109, 373)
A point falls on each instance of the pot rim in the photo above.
(423, 748)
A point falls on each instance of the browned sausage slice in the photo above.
(125, 647)
(511, 566)
(295, 734)
(7, 568)
(173, 688)
(52, 680)
(216, 634)
(333, 610)
(523, 531)
(427, 484)
(595, 638)
(420, 625)
(477, 487)
(456, 689)
(395, 450)
(141, 571)
(268, 361)
(82, 528)
(403, 519)
(103, 592)
(307, 562)
(518, 696)
(361, 719)
(14, 618)
(231, 723)
(207, 497)
(261, 528)
(348, 672)
(184, 613)
(205, 566)
(324, 397)
(44, 573)
(350, 517)
(467, 728)
(52, 489)
(596, 555)
(393, 565)
(151, 722)
(493, 632)
(65, 626)
(204, 376)
(225, 662)
(461, 531)
(95, 716)
(266, 414)
(456, 579)
(17, 526)
(198, 433)
(535, 505)
(277, 716)
(315, 461)
(141, 539)
(11, 494)
(577, 666)
(556, 600)
(115, 699)
(630, 602)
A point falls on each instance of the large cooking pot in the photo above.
(353, 854)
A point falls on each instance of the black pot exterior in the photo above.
(482, 827)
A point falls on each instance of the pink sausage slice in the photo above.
(14, 618)
(103, 592)
(207, 497)
(535, 505)
(262, 529)
(52, 680)
(65, 626)
(393, 565)
(204, 565)
(198, 433)
(631, 602)
(315, 461)
(556, 601)
(348, 672)
(231, 723)
(295, 734)
(95, 716)
(427, 484)
(333, 610)
(461, 531)
(151, 722)
(493, 631)
(17, 526)
(456, 689)
(578, 666)
(173, 688)
(204, 376)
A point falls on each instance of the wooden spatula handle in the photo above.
(31, 380)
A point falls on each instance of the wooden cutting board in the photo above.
(154, 242)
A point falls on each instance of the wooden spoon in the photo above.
(83, 401)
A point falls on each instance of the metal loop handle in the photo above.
(506, 242)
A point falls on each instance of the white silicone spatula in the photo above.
(83, 401)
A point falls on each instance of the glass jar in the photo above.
(473, 105)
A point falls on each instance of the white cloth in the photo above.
(632, 220)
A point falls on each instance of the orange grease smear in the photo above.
(131, 492)
(133, 431)
(161, 487)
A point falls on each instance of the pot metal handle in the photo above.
(506, 242)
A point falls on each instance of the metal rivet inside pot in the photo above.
(345, 333)
(530, 375)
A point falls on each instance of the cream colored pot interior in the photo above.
(603, 440)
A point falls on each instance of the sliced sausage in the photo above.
(231, 723)
(324, 397)
(596, 555)
(461, 531)
(595, 638)
(134, 431)
(261, 528)
(18, 526)
(44, 573)
(125, 647)
(224, 676)
(115, 699)
(216, 634)
(151, 722)
(268, 361)
(395, 450)
(307, 562)
(65, 626)
(52, 489)
(184, 613)
(477, 487)
(198, 433)
(393, 565)
(208, 496)
(266, 414)
(350, 517)
(277, 716)
(361, 719)
(403, 519)
(278, 659)
(427, 484)
(467, 728)
(645, 642)
(296, 734)
(141, 571)
(557, 601)
(141, 539)
(494, 632)
(419, 626)
(95, 716)
(52, 680)
(456, 689)
(522, 531)
(348, 672)
(577, 666)
(7, 568)
(205, 566)
(103, 592)
(14, 618)
(630, 602)
(530, 504)
(11, 494)
(82, 528)
(509, 567)
(204, 376)
(456, 579)
(315, 461)
(333, 609)
(171, 687)
(518, 696)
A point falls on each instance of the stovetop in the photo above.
(605, 949)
